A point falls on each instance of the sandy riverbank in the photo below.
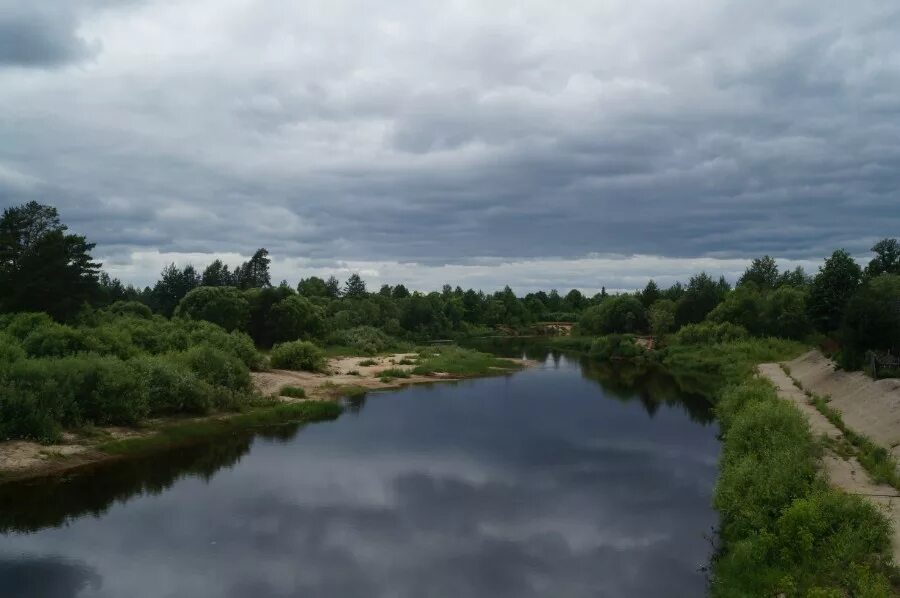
(22, 459)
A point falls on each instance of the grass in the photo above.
(709, 369)
(368, 363)
(392, 373)
(188, 432)
(461, 362)
(294, 392)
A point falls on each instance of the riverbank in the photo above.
(343, 377)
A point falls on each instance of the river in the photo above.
(564, 480)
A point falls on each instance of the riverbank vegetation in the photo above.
(783, 530)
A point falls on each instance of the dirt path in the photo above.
(845, 474)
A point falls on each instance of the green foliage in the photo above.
(292, 391)
(762, 274)
(363, 340)
(785, 313)
(616, 346)
(886, 260)
(54, 340)
(225, 306)
(782, 530)
(367, 362)
(461, 362)
(700, 297)
(134, 309)
(216, 367)
(710, 333)
(831, 289)
(706, 369)
(620, 314)
(42, 267)
(391, 373)
(871, 320)
(172, 386)
(742, 307)
(10, 350)
(661, 316)
(296, 317)
(21, 325)
(298, 355)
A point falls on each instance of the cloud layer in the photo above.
(349, 131)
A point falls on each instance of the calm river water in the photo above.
(567, 479)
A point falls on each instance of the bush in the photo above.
(22, 324)
(172, 387)
(710, 333)
(54, 340)
(783, 531)
(298, 355)
(234, 343)
(391, 373)
(768, 460)
(292, 391)
(132, 309)
(25, 415)
(615, 315)
(364, 340)
(10, 350)
(620, 346)
(224, 306)
(296, 317)
(216, 367)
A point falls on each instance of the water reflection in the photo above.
(551, 482)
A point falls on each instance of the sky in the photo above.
(537, 144)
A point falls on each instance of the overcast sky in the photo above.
(540, 144)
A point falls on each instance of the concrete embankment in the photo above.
(843, 472)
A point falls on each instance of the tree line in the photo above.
(45, 268)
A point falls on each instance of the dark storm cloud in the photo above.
(441, 135)
(41, 34)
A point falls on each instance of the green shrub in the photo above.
(132, 309)
(172, 387)
(364, 340)
(22, 324)
(620, 346)
(110, 339)
(235, 343)
(25, 415)
(298, 355)
(10, 350)
(292, 391)
(227, 307)
(391, 373)
(615, 315)
(368, 362)
(825, 544)
(55, 340)
(710, 333)
(216, 367)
